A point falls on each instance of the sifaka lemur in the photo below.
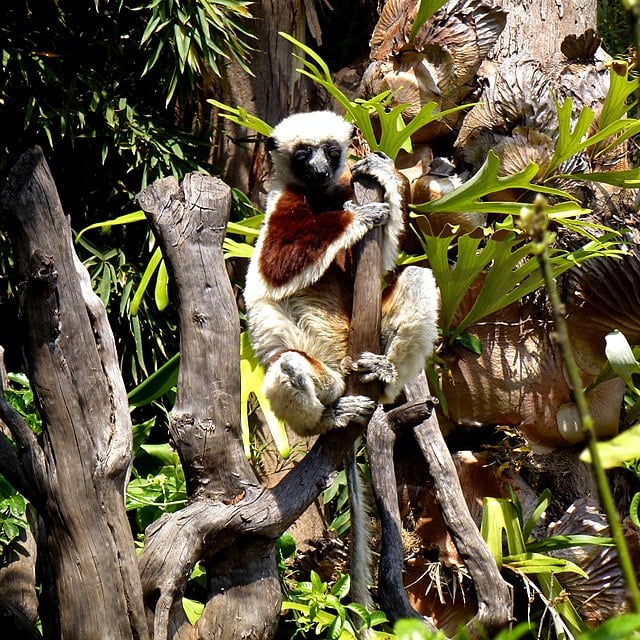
(298, 290)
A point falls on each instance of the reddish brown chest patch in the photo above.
(298, 234)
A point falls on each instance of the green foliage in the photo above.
(13, 515)
(426, 9)
(395, 134)
(20, 396)
(320, 609)
(503, 524)
(506, 258)
(112, 95)
(625, 627)
(144, 338)
(413, 629)
(159, 491)
(187, 39)
(251, 382)
(615, 25)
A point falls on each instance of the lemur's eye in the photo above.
(301, 153)
(333, 151)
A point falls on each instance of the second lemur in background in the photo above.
(298, 292)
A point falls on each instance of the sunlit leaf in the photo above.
(622, 448)
(251, 381)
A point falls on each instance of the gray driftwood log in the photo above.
(76, 473)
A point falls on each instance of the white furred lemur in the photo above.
(298, 291)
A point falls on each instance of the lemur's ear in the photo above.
(271, 144)
(353, 131)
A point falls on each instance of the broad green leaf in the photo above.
(233, 249)
(157, 384)
(499, 518)
(623, 448)
(251, 381)
(616, 103)
(570, 140)
(552, 543)
(164, 453)
(467, 197)
(619, 628)
(193, 609)
(414, 629)
(633, 509)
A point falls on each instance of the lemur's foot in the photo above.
(295, 371)
(373, 367)
(348, 409)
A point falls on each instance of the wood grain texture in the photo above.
(79, 469)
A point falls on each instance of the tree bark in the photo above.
(76, 476)
(537, 28)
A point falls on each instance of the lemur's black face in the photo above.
(316, 166)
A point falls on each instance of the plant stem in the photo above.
(586, 420)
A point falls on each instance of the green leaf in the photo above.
(161, 291)
(136, 216)
(618, 628)
(529, 563)
(633, 509)
(150, 269)
(242, 117)
(629, 179)
(413, 629)
(157, 384)
(570, 141)
(543, 502)
(553, 543)
(499, 518)
(425, 10)
(467, 197)
(251, 381)
(193, 609)
(622, 448)
(621, 357)
(470, 342)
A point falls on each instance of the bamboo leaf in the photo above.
(157, 384)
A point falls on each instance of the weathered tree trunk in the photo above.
(76, 476)
(537, 27)
(232, 522)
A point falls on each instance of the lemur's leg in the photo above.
(307, 395)
(409, 332)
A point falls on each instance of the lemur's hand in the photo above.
(372, 214)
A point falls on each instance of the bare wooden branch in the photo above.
(391, 591)
(227, 502)
(494, 594)
(86, 447)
